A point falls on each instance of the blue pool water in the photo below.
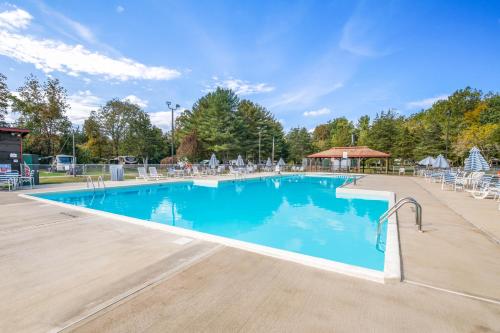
(294, 213)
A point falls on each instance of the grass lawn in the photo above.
(60, 178)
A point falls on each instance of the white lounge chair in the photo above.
(449, 179)
(436, 177)
(142, 174)
(233, 171)
(496, 191)
(482, 190)
(475, 179)
(14, 178)
(221, 170)
(197, 172)
(153, 173)
(8, 180)
(461, 181)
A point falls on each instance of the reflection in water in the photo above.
(300, 214)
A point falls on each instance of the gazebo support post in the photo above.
(386, 165)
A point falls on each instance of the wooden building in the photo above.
(358, 154)
(11, 148)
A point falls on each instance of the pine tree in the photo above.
(299, 144)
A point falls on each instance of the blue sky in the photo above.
(306, 61)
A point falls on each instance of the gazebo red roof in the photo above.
(352, 152)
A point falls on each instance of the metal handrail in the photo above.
(395, 208)
(101, 180)
(89, 182)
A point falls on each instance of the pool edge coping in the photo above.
(392, 269)
(392, 260)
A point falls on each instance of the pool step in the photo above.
(206, 182)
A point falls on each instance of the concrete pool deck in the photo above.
(74, 271)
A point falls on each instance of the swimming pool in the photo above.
(297, 214)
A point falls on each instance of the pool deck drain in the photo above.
(56, 269)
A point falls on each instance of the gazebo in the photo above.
(357, 152)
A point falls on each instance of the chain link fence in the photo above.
(50, 174)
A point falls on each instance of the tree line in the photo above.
(465, 119)
(116, 128)
(223, 123)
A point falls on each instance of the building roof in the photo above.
(352, 152)
(22, 131)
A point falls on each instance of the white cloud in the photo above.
(15, 19)
(136, 100)
(351, 40)
(306, 95)
(120, 9)
(366, 31)
(82, 103)
(240, 87)
(163, 119)
(51, 55)
(81, 30)
(316, 113)
(425, 103)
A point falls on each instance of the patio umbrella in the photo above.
(476, 161)
(213, 163)
(427, 161)
(240, 162)
(269, 163)
(467, 164)
(281, 162)
(440, 162)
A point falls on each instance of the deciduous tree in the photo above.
(42, 109)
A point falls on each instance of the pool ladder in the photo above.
(395, 208)
(100, 181)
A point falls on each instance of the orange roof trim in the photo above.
(352, 152)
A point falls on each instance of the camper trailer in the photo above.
(62, 163)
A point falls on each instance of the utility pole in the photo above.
(448, 115)
(173, 126)
(259, 144)
(74, 155)
(272, 154)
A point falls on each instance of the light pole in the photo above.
(73, 162)
(74, 155)
(272, 154)
(259, 145)
(172, 109)
(448, 115)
